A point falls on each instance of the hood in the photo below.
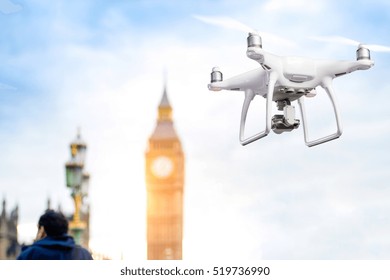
(63, 241)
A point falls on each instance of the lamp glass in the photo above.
(73, 175)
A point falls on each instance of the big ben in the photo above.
(164, 160)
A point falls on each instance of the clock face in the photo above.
(162, 166)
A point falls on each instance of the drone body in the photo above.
(285, 79)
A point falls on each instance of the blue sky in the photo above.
(99, 65)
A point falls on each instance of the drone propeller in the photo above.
(234, 24)
(347, 41)
(226, 22)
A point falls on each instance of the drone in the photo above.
(283, 80)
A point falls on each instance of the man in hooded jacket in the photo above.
(53, 242)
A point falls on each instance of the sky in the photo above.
(102, 66)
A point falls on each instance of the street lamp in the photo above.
(78, 182)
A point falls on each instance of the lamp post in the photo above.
(77, 181)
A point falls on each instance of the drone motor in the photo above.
(254, 40)
(362, 53)
(216, 75)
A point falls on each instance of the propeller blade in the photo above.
(226, 22)
(231, 23)
(350, 42)
(336, 39)
(377, 48)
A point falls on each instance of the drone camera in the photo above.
(216, 75)
(362, 53)
(279, 124)
(287, 121)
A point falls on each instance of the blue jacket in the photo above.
(55, 248)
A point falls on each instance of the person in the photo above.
(53, 242)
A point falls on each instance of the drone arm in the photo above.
(249, 95)
(254, 79)
(264, 58)
(338, 68)
(327, 85)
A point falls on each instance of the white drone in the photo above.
(285, 79)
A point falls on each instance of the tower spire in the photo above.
(164, 99)
(164, 109)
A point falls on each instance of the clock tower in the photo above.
(164, 163)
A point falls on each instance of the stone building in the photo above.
(9, 246)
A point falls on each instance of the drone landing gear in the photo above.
(327, 85)
(287, 121)
(249, 95)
